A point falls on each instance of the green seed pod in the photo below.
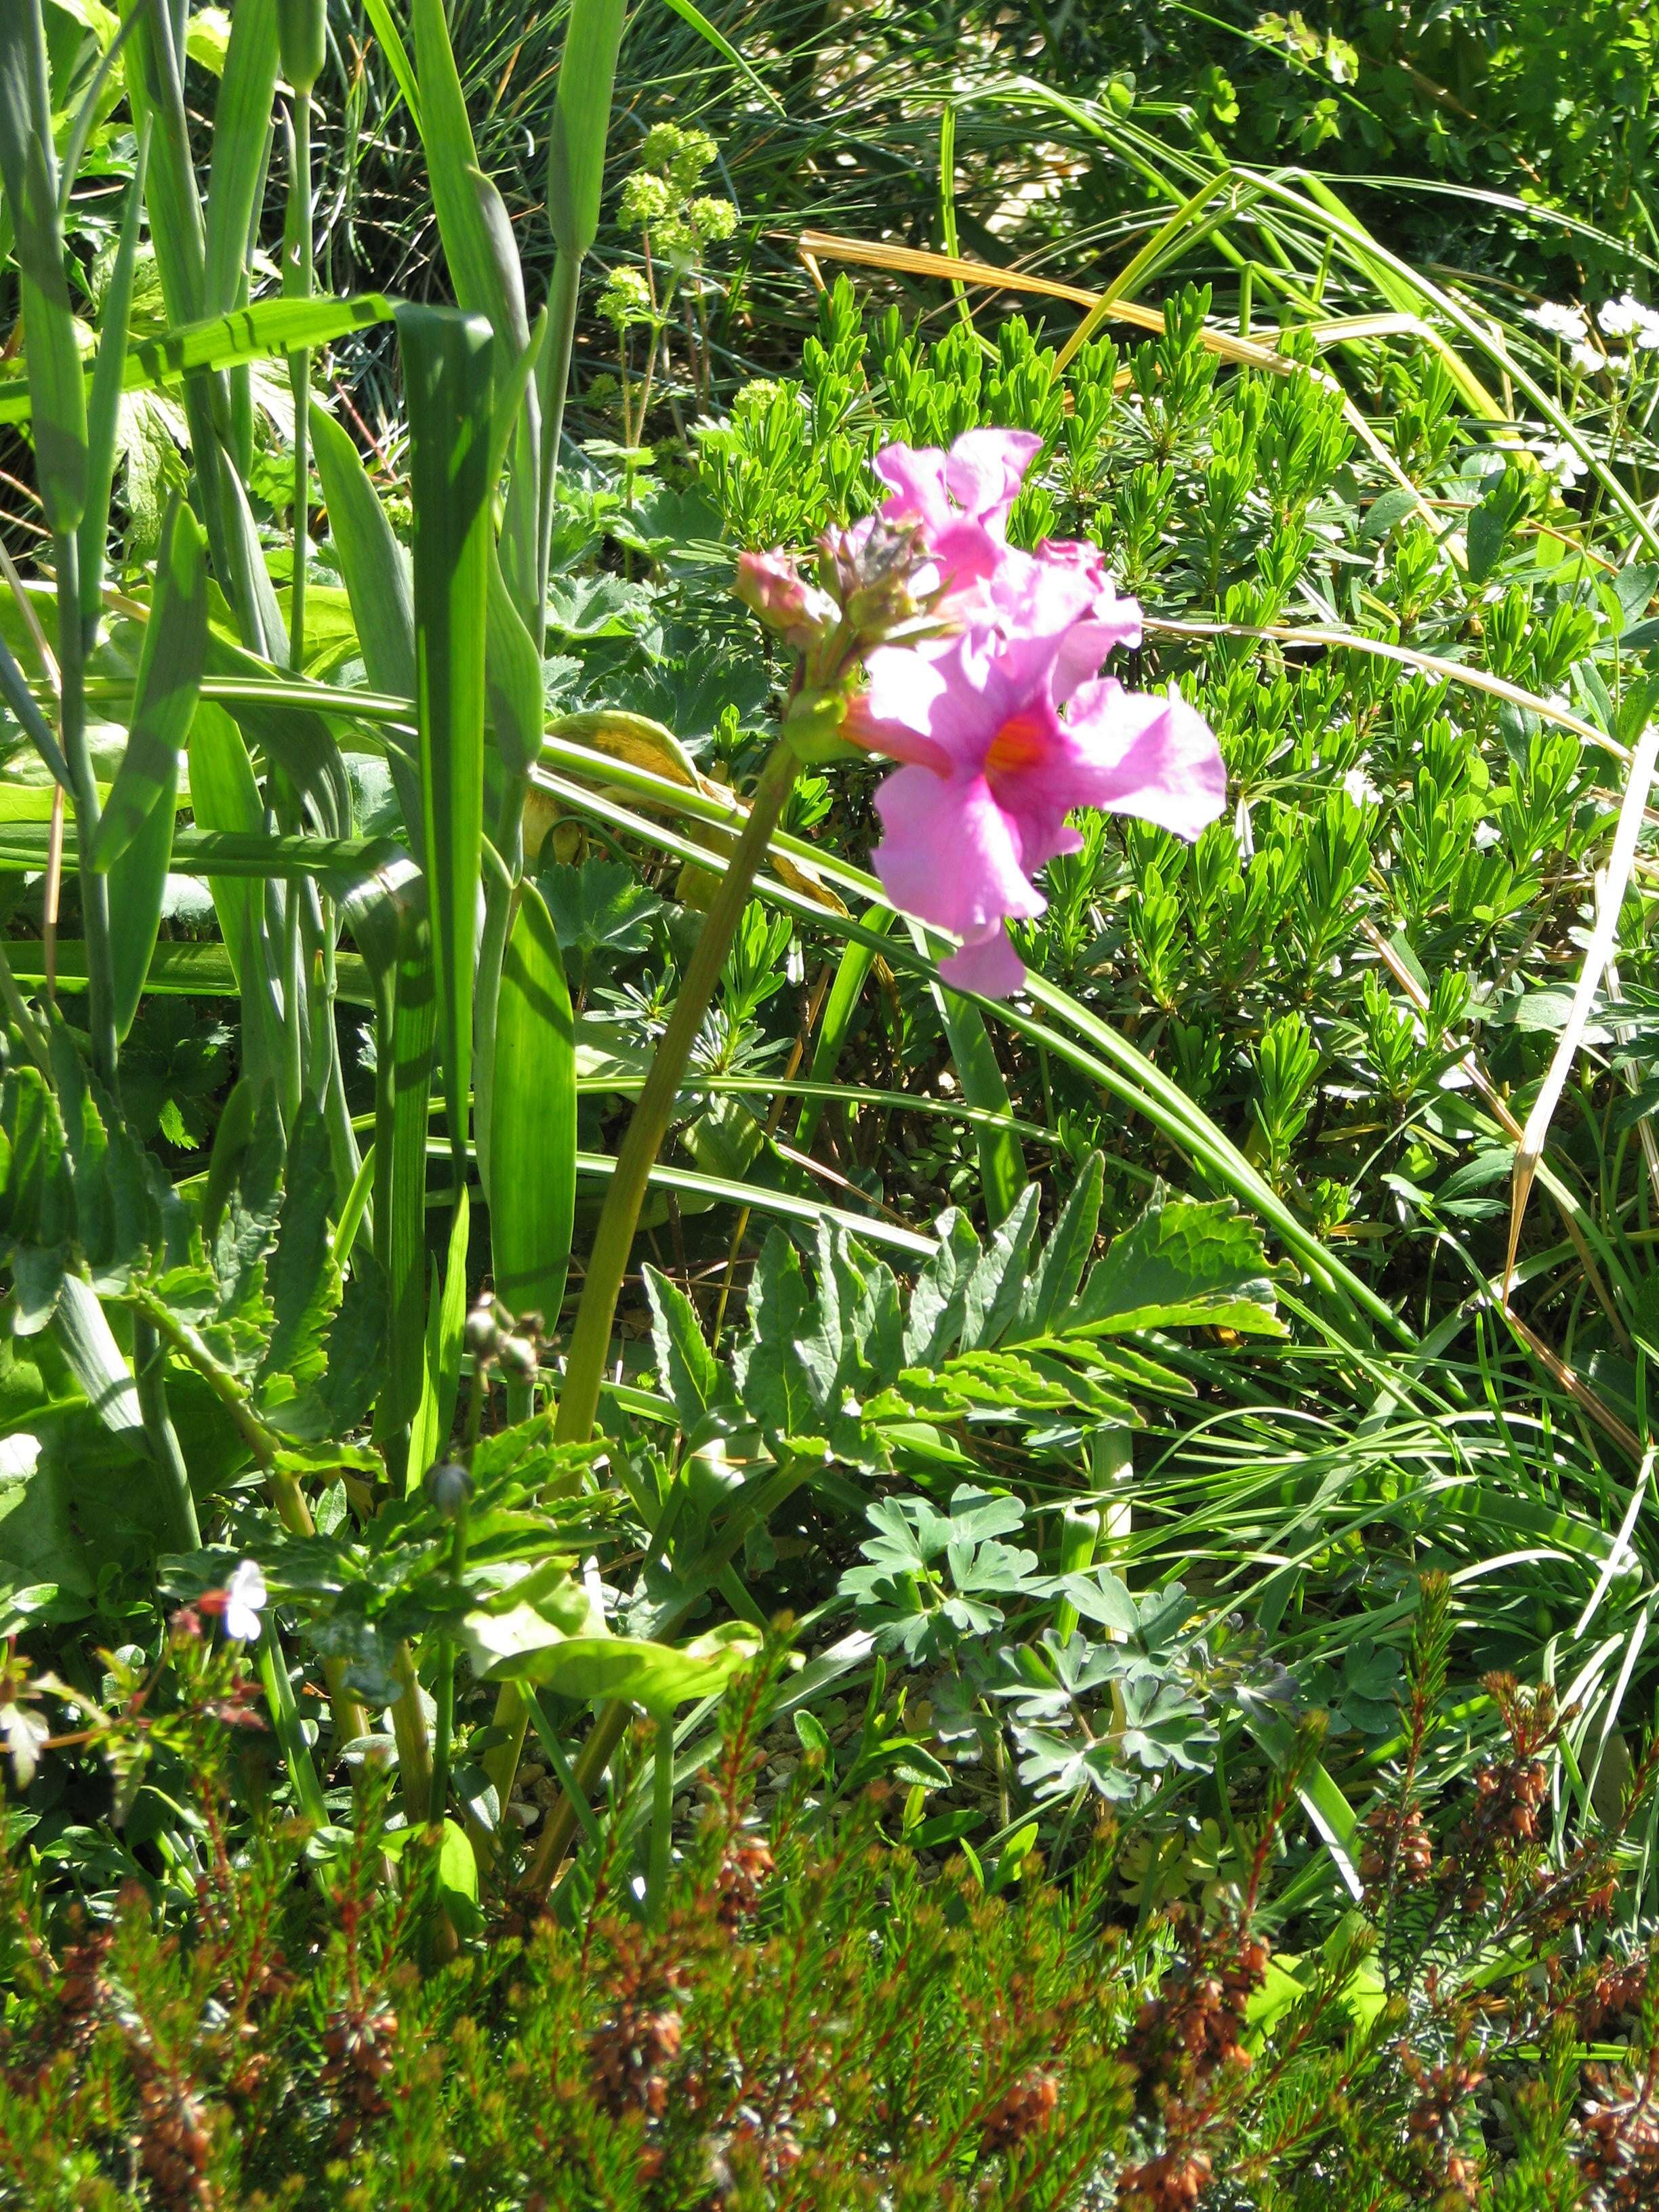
(302, 33)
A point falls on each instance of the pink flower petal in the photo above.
(948, 856)
(915, 481)
(1145, 753)
(989, 965)
(985, 469)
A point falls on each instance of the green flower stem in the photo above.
(443, 1692)
(590, 1338)
(414, 1752)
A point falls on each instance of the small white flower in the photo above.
(1562, 461)
(1486, 836)
(246, 1595)
(1586, 358)
(1624, 317)
(1560, 320)
(1360, 786)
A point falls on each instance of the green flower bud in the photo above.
(302, 37)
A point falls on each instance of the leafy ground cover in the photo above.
(621, 1505)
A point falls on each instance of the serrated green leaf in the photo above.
(995, 1287)
(1059, 1269)
(941, 1297)
(686, 1368)
(302, 1281)
(1184, 1262)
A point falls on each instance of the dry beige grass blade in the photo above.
(1429, 663)
(1612, 884)
(815, 245)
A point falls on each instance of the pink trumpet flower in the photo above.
(992, 770)
(993, 767)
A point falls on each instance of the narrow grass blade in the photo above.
(723, 46)
(1613, 884)
(473, 237)
(447, 358)
(836, 1023)
(155, 93)
(1001, 1163)
(531, 1177)
(57, 394)
(403, 70)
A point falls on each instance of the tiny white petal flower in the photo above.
(246, 1595)
(1360, 786)
(1560, 320)
(1623, 316)
(1486, 836)
(1586, 358)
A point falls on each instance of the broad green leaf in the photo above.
(375, 565)
(163, 707)
(445, 1323)
(446, 366)
(225, 797)
(56, 391)
(388, 916)
(686, 1368)
(940, 1298)
(104, 395)
(532, 1179)
(241, 126)
(1182, 1263)
(254, 333)
(581, 122)
(484, 278)
(87, 1341)
(998, 1282)
(657, 1676)
(776, 1389)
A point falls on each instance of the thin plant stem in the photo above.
(590, 1338)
